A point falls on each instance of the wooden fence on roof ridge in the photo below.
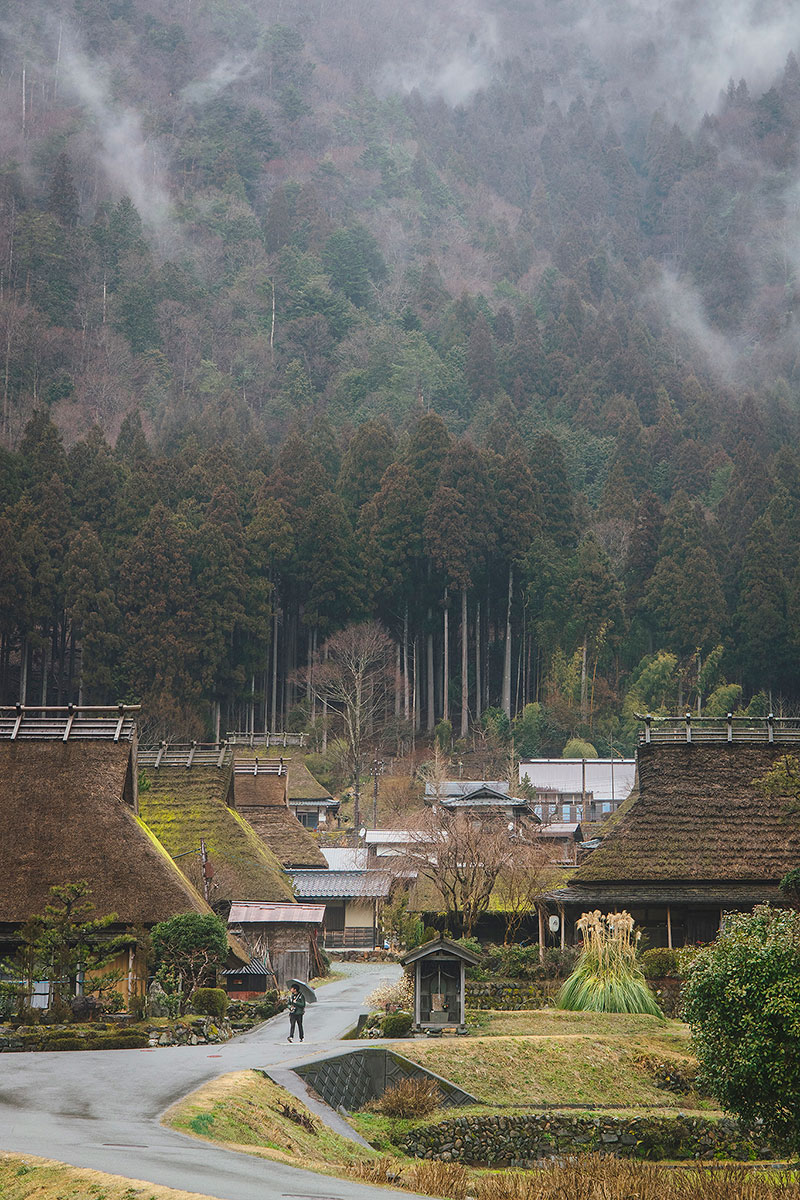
(730, 728)
(187, 754)
(66, 723)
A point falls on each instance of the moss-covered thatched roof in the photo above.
(698, 817)
(67, 814)
(302, 784)
(261, 800)
(182, 806)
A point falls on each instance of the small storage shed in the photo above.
(283, 934)
(251, 981)
(439, 968)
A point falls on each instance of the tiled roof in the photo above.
(463, 787)
(364, 884)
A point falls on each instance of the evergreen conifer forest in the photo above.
(476, 319)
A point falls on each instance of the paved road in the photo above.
(102, 1108)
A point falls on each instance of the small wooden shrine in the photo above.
(439, 992)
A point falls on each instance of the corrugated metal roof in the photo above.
(362, 884)
(342, 858)
(276, 914)
(390, 837)
(559, 829)
(567, 775)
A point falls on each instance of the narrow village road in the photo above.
(102, 1108)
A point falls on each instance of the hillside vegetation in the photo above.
(458, 318)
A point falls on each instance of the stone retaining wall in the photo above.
(521, 1141)
(510, 994)
(193, 1031)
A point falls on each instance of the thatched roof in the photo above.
(66, 814)
(182, 805)
(261, 801)
(303, 787)
(698, 818)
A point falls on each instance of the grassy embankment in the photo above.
(25, 1177)
(548, 1057)
(245, 1111)
(518, 1060)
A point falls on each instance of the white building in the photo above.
(578, 789)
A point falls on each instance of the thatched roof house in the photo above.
(261, 798)
(699, 839)
(183, 805)
(311, 803)
(68, 812)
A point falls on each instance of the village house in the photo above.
(697, 840)
(480, 796)
(311, 803)
(282, 937)
(261, 797)
(578, 789)
(69, 811)
(353, 891)
(186, 798)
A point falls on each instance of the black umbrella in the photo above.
(308, 992)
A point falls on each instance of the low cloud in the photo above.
(458, 49)
(130, 161)
(683, 308)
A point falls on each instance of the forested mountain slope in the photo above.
(391, 311)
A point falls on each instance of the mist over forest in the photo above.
(479, 319)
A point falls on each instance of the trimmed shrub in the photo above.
(122, 1041)
(396, 1025)
(210, 1002)
(659, 963)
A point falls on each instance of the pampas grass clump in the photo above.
(608, 977)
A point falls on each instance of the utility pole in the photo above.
(377, 770)
(207, 870)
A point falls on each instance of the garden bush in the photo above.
(210, 1002)
(396, 1025)
(659, 963)
(742, 1001)
(409, 1098)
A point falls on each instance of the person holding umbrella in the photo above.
(297, 1006)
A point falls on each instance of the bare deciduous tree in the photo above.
(353, 674)
(522, 882)
(465, 858)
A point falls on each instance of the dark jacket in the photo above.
(297, 1003)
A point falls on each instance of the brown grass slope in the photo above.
(63, 817)
(182, 806)
(699, 818)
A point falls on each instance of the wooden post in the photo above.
(669, 928)
(541, 932)
(563, 916)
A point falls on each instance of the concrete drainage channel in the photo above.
(348, 1081)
